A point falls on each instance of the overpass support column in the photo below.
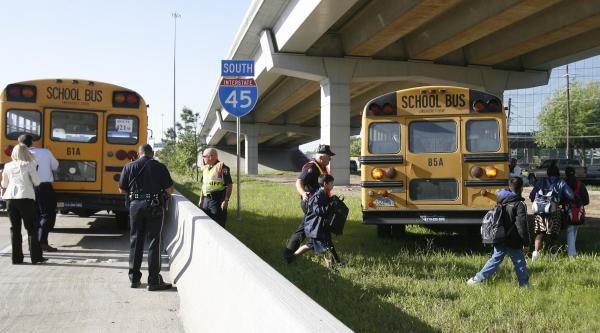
(335, 118)
(251, 160)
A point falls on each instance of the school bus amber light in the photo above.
(491, 172)
(377, 173)
(119, 98)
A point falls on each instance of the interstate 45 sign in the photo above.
(238, 96)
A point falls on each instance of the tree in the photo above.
(181, 156)
(167, 153)
(355, 144)
(188, 147)
(584, 129)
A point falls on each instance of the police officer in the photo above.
(147, 182)
(216, 187)
(306, 185)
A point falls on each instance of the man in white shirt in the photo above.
(514, 169)
(45, 196)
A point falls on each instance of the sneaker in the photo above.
(474, 281)
(135, 284)
(535, 255)
(289, 256)
(528, 286)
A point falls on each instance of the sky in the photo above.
(123, 42)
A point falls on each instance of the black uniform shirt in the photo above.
(153, 178)
(310, 176)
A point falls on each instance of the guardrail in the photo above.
(224, 287)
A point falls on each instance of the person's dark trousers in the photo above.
(23, 209)
(144, 220)
(298, 236)
(211, 205)
(46, 202)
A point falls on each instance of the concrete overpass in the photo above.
(319, 61)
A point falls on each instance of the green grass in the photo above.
(418, 283)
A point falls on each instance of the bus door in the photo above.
(75, 139)
(433, 162)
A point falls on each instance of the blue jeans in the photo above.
(571, 239)
(517, 257)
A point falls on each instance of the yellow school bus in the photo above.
(432, 155)
(92, 128)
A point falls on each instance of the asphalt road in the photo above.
(82, 288)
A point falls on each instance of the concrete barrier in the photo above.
(224, 287)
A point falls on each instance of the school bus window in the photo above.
(432, 136)
(384, 138)
(483, 135)
(74, 127)
(23, 121)
(433, 189)
(75, 171)
(122, 129)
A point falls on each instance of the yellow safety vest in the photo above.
(212, 178)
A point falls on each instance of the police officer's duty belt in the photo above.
(141, 196)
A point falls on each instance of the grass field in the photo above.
(418, 283)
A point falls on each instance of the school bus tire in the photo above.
(384, 231)
(398, 230)
(83, 212)
(122, 219)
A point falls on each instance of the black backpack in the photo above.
(336, 218)
(493, 226)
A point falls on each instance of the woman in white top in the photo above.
(18, 181)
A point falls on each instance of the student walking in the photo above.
(18, 181)
(575, 209)
(319, 236)
(549, 192)
(515, 224)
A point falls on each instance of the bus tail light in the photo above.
(377, 173)
(483, 192)
(371, 204)
(117, 177)
(121, 154)
(8, 150)
(390, 172)
(476, 172)
(126, 99)
(20, 93)
(491, 172)
(133, 155)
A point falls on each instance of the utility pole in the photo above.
(175, 17)
(568, 112)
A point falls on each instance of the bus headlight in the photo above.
(72, 171)
(377, 173)
(491, 172)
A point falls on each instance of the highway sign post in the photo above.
(238, 95)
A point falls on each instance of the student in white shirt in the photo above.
(18, 181)
(45, 195)
(514, 169)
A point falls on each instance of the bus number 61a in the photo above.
(435, 162)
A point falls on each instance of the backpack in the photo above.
(575, 214)
(546, 200)
(336, 218)
(492, 225)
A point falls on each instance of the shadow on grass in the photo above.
(359, 308)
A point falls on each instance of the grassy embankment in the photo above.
(417, 283)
